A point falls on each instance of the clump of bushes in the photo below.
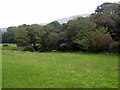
(11, 47)
(28, 48)
(5, 45)
(97, 33)
(100, 41)
(114, 47)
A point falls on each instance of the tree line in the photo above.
(97, 33)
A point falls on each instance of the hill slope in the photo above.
(65, 20)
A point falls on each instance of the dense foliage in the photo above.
(97, 33)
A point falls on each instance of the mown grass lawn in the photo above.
(59, 70)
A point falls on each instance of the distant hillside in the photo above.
(65, 20)
(3, 29)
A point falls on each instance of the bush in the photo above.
(29, 48)
(54, 51)
(11, 47)
(5, 45)
(63, 46)
(100, 41)
(113, 47)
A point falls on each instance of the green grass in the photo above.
(11, 47)
(59, 70)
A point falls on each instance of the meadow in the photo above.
(22, 69)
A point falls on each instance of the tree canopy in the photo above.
(96, 33)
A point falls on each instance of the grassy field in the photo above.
(58, 70)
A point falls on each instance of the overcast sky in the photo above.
(17, 12)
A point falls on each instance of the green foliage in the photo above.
(28, 36)
(11, 47)
(108, 15)
(114, 46)
(78, 34)
(88, 34)
(29, 48)
(108, 8)
(56, 25)
(1, 36)
(52, 41)
(21, 36)
(9, 36)
(111, 22)
(100, 40)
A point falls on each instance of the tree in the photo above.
(1, 36)
(78, 33)
(32, 34)
(50, 37)
(88, 34)
(55, 24)
(100, 41)
(111, 22)
(52, 41)
(108, 8)
(113, 47)
(21, 36)
(9, 35)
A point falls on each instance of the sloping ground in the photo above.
(59, 70)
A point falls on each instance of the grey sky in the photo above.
(17, 12)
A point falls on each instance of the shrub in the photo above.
(100, 41)
(29, 48)
(54, 51)
(5, 45)
(113, 47)
(63, 46)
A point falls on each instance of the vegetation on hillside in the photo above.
(97, 33)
